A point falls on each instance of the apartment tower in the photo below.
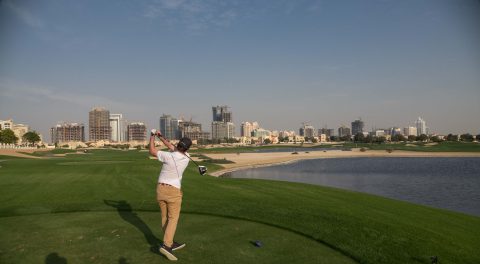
(117, 123)
(421, 127)
(357, 126)
(344, 131)
(67, 132)
(169, 127)
(137, 131)
(99, 124)
(222, 125)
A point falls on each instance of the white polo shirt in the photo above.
(174, 164)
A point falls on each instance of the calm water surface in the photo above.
(448, 183)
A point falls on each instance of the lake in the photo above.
(448, 183)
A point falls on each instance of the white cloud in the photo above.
(200, 15)
(195, 16)
(52, 96)
(25, 15)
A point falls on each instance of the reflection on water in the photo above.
(449, 183)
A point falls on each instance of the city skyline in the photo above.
(298, 130)
(101, 121)
(280, 63)
(223, 114)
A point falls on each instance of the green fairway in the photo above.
(417, 146)
(109, 237)
(100, 207)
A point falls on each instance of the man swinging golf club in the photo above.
(169, 194)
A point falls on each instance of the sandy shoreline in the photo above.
(253, 160)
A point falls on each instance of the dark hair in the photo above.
(184, 144)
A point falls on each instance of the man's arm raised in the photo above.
(152, 149)
(165, 141)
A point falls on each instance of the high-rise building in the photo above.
(165, 125)
(395, 131)
(246, 129)
(137, 131)
(221, 114)
(410, 131)
(357, 126)
(117, 124)
(421, 126)
(307, 131)
(222, 124)
(326, 131)
(344, 131)
(221, 130)
(192, 130)
(67, 132)
(99, 124)
(169, 126)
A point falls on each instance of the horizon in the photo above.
(279, 64)
(238, 125)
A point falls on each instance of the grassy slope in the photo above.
(367, 228)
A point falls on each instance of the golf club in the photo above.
(201, 169)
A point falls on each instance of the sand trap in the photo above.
(16, 152)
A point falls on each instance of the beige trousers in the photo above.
(170, 200)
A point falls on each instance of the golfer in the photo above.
(169, 194)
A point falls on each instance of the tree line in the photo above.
(7, 136)
(361, 138)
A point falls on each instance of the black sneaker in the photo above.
(167, 252)
(177, 246)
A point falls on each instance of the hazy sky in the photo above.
(276, 62)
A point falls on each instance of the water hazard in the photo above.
(448, 183)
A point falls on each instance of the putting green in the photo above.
(131, 237)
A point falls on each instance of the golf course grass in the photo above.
(100, 207)
(408, 146)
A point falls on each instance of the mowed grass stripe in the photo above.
(107, 237)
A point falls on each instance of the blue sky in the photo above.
(276, 62)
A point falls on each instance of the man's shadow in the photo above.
(125, 211)
(54, 258)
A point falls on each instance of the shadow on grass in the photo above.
(122, 260)
(260, 244)
(125, 211)
(54, 258)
